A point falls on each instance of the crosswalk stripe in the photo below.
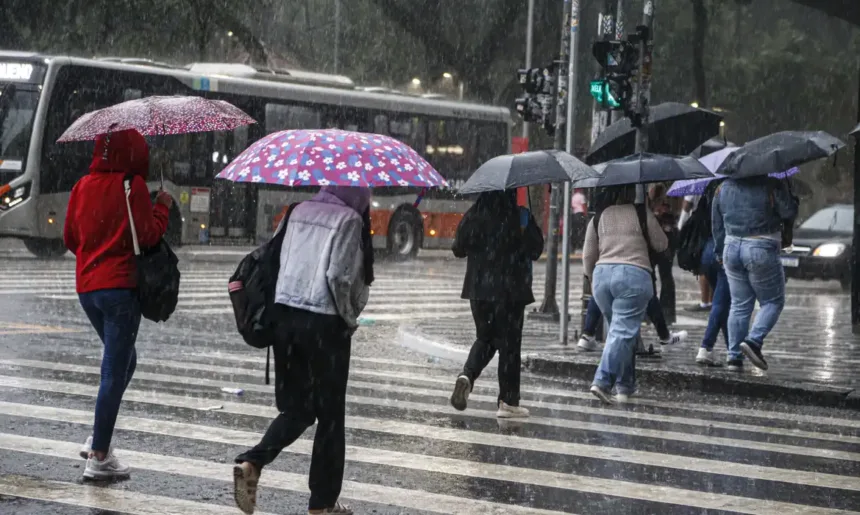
(411, 499)
(647, 458)
(573, 408)
(476, 413)
(457, 467)
(106, 499)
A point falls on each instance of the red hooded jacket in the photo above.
(97, 229)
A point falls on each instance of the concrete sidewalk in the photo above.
(812, 354)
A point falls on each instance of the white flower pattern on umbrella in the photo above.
(337, 157)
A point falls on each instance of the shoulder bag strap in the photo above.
(127, 186)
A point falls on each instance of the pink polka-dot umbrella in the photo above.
(159, 115)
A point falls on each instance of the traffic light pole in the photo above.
(599, 121)
(642, 93)
(549, 307)
(573, 87)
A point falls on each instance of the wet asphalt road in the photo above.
(408, 450)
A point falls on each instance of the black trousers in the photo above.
(665, 261)
(499, 327)
(311, 368)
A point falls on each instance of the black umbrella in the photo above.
(674, 128)
(645, 168)
(779, 151)
(711, 146)
(856, 131)
(526, 169)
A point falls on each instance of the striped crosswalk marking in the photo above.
(408, 451)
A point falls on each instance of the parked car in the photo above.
(822, 246)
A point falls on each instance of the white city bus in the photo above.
(42, 95)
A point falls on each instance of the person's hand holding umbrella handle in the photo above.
(164, 199)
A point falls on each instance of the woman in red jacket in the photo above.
(98, 233)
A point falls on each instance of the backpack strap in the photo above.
(643, 223)
(278, 242)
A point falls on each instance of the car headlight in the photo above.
(11, 197)
(829, 250)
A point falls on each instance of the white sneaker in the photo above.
(601, 394)
(587, 343)
(706, 357)
(507, 411)
(110, 468)
(337, 509)
(87, 448)
(675, 338)
(621, 398)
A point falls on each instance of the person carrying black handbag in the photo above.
(99, 232)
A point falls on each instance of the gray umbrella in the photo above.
(645, 168)
(779, 151)
(527, 169)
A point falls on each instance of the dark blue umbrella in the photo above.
(645, 168)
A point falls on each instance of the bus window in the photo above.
(451, 148)
(412, 131)
(281, 117)
(492, 142)
(78, 91)
(380, 124)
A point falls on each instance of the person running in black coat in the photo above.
(500, 241)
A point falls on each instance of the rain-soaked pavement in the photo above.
(408, 450)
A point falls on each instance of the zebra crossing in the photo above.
(408, 451)
(401, 292)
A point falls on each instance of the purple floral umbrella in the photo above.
(332, 157)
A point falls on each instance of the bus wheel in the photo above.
(405, 232)
(44, 248)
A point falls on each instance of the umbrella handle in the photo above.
(420, 197)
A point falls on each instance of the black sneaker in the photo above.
(735, 365)
(462, 389)
(753, 353)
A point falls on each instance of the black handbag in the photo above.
(157, 273)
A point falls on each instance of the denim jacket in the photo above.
(744, 208)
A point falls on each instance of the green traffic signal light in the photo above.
(603, 95)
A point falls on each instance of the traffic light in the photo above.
(536, 106)
(620, 63)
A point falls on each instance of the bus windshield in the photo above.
(17, 110)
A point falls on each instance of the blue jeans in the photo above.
(654, 312)
(622, 292)
(719, 315)
(115, 315)
(755, 273)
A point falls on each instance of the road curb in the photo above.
(711, 383)
(569, 368)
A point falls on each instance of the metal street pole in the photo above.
(549, 307)
(529, 48)
(599, 121)
(642, 93)
(336, 36)
(855, 248)
(573, 88)
(619, 34)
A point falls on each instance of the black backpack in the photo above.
(694, 236)
(252, 291)
(157, 272)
